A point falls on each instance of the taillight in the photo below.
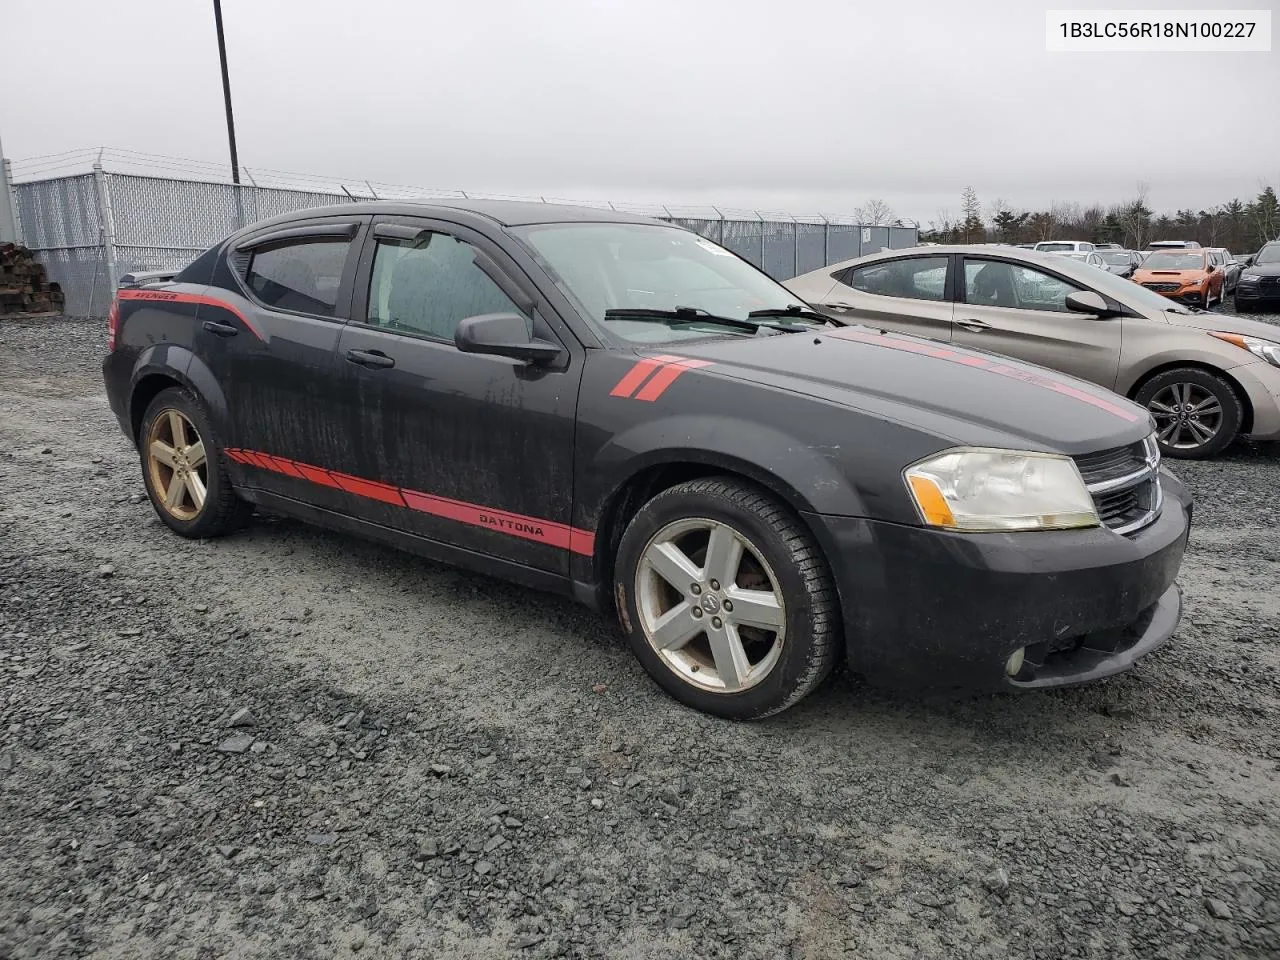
(113, 325)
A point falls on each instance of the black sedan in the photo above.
(619, 410)
(1259, 285)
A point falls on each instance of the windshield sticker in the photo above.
(707, 245)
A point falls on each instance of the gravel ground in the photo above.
(291, 743)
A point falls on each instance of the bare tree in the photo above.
(1135, 218)
(874, 213)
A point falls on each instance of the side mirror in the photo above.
(1233, 263)
(1088, 301)
(503, 335)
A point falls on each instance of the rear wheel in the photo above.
(726, 600)
(183, 468)
(1197, 412)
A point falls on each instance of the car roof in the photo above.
(507, 213)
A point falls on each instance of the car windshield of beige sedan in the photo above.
(646, 283)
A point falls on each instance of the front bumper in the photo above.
(931, 610)
(1258, 292)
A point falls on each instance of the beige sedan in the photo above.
(1206, 377)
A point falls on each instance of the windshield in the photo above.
(1174, 261)
(606, 267)
(1268, 254)
(1054, 247)
(1117, 259)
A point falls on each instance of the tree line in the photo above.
(1240, 226)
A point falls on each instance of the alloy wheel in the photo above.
(710, 605)
(1187, 415)
(177, 465)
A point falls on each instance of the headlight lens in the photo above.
(1263, 349)
(982, 490)
(1248, 278)
(1193, 282)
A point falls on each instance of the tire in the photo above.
(778, 667)
(219, 511)
(1183, 438)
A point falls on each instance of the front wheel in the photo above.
(1197, 412)
(726, 600)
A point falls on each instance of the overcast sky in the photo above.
(796, 105)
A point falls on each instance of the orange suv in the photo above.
(1186, 275)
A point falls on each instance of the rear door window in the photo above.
(914, 278)
(299, 275)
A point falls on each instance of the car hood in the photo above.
(1225, 323)
(1262, 270)
(961, 396)
(1184, 276)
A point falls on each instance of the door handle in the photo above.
(221, 329)
(375, 359)
(974, 326)
(839, 307)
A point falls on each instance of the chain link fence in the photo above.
(90, 229)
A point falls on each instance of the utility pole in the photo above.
(226, 91)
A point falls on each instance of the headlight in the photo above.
(981, 490)
(1263, 349)
(1249, 278)
(1194, 283)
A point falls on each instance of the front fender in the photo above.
(1180, 357)
(808, 477)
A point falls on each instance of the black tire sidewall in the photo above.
(1232, 408)
(793, 662)
(208, 520)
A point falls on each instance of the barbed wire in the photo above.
(123, 161)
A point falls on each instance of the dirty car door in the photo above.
(471, 450)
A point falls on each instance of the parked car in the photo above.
(1205, 377)
(1175, 245)
(1221, 258)
(1107, 246)
(1064, 246)
(1092, 259)
(1259, 285)
(619, 410)
(1189, 275)
(1121, 262)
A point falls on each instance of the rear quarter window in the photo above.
(302, 276)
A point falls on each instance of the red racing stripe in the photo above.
(667, 376)
(634, 377)
(891, 342)
(166, 296)
(369, 488)
(552, 534)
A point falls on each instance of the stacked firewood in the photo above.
(24, 287)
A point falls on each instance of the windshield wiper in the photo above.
(797, 311)
(681, 315)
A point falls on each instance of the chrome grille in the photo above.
(1162, 287)
(1125, 484)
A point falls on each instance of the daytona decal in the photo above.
(668, 369)
(557, 535)
(892, 342)
(167, 296)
